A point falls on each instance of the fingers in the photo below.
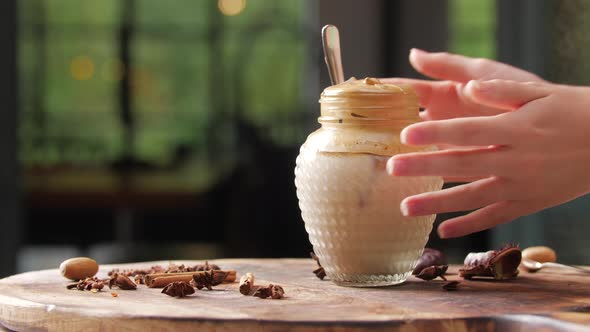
(508, 95)
(484, 218)
(478, 131)
(471, 163)
(427, 91)
(443, 99)
(453, 67)
(460, 198)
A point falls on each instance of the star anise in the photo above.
(178, 289)
(272, 291)
(206, 267)
(121, 281)
(433, 272)
(208, 279)
(319, 272)
(91, 284)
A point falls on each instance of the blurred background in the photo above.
(146, 129)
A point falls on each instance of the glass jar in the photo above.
(350, 205)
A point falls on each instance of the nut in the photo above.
(539, 254)
(371, 81)
(78, 268)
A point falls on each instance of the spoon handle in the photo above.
(563, 266)
(331, 44)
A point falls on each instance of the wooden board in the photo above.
(545, 300)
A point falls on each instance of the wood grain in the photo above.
(545, 300)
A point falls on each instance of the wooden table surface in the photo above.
(549, 301)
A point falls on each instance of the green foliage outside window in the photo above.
(195, 71)
(473, 28)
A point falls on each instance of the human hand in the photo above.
(446, 99)
(533, 156)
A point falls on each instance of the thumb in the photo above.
(504, 94)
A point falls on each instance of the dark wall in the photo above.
(524, 34)
(376, 35)
(9, 221)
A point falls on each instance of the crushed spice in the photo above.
(90, 284)
(172, 268)
(273, 291)
(319, 272)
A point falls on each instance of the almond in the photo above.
(78, 268)
(539, 254)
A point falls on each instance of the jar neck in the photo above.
(365, 116)
(345, 116)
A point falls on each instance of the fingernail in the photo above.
(412, 207)
(445, 232)
(403, 136)
(415, 135)
(417, 50)
(441, 233)
(395, 166)
(389, 166)
(404, 208)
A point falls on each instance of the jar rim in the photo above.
(368, 101)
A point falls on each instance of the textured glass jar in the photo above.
(350, 205)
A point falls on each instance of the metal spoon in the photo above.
(533, 266)
(331, 44)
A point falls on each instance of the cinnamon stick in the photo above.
(163, 281)
(159, 280)
(231, 276)
(246, 283)
(148, 279)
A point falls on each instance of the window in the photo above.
(472, 28)
(171, 113)
(196, 69)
